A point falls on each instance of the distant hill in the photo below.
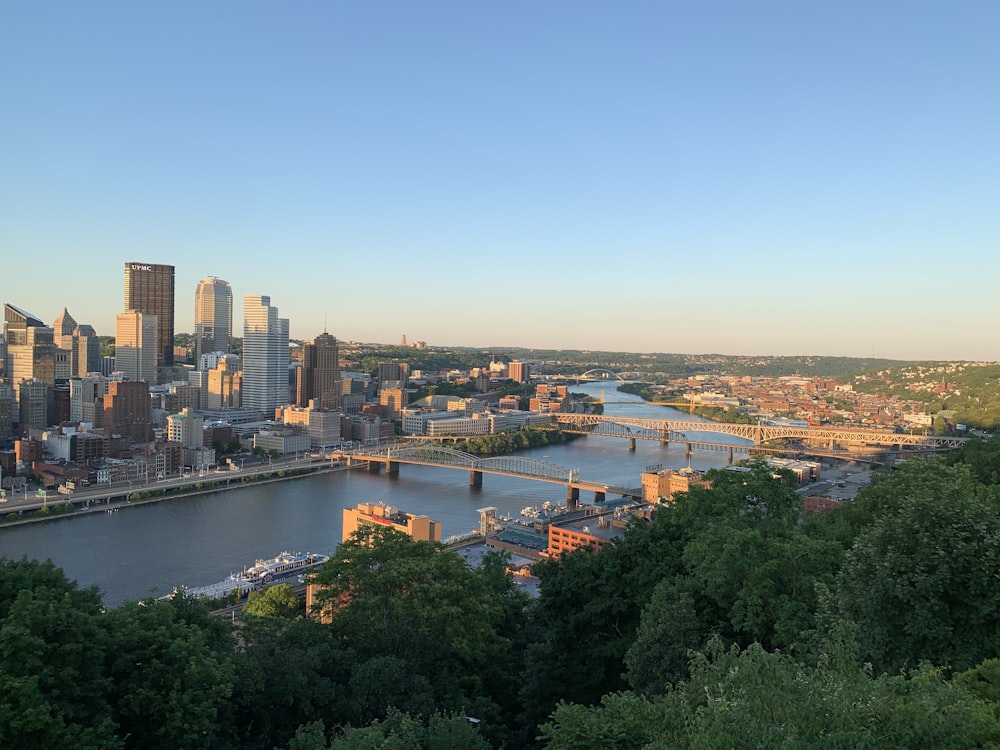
(969, 389)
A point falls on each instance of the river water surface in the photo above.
(148, 549)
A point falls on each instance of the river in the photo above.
(148, 549)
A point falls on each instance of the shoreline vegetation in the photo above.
(502, 443)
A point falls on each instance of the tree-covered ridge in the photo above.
(970, 390)
(728, 620)
(656, 366)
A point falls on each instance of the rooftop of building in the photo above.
(599, 527)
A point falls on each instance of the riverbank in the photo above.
(13, 518)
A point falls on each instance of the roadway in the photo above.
(118, 493)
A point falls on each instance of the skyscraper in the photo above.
(87, 350)
(30, 347)
(213, 317)
(265, 355)
(319, 376)
(136, 345)
(149, 289)
(62, 330)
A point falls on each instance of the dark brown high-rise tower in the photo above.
(149, 289)
(319, 376)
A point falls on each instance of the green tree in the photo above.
(421, 604)
(670, 629)
(983, 458)
(274, 601)
(750, 698)
(172, 673)
(398, 731)
(53, 688)
(756, 587)
(983, 681)
(923, 579)
(289, 673)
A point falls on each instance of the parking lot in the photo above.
(839, 482)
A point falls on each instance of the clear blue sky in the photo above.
(733, 177)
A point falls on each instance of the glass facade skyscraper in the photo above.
(265, 355)
(213, 317)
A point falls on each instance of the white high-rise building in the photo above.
(136, 345)
(213, 317)
(265, 356)
(186, 428)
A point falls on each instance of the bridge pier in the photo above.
(687, 450)
(599, 496)
(392, 468)
(664, 443)
(475, 478)
(730, 456)
(374, 467)
(631, 445)
(572, 497)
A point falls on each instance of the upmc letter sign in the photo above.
(140, 267)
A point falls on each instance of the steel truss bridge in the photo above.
(391, 456)
(668, 430)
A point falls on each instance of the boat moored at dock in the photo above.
(261, 574)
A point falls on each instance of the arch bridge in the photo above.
(667, 430)
(391, 456)
(601, 373)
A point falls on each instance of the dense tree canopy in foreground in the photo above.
(729, 620)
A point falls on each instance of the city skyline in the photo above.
(768, 180)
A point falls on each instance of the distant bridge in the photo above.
(670, 430)
(391, 456)
(599, 373)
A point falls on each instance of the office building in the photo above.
(265, 356)
(319, 377)
(420, 528)
(62, 337)
(186, 428)
(518, 371)
(136, 345)
(393, 401)
(86, 351)
(213, 318)
(149, 289)
(7, 402)
(34, 405)
(281, 440)
(594, 532)
(127, 410)
(210, 360)
(30, 347)
(659, 484)
(392, 374)
(322, 425)
(223, 390)
(86, 399)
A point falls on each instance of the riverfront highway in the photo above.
(100, 496)
(148, 548)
